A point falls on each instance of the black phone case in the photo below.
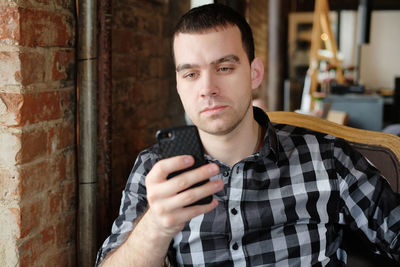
(183, 140)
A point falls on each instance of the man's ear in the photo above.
(257, 72)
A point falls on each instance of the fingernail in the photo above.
(187, 160)
(215, 203)
(219, 184)
(213, 169)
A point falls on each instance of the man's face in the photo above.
(213, 77)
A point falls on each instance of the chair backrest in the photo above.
(382, 149)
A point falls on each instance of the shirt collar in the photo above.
(270, 146)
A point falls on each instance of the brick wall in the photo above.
(37, 133)
(144, 97)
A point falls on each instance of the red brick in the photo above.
(55, 202)
(137, 93)
(48, 235)
(156, 110)
(62, 200)
(42, 175)
(33, 145)
(62, 258)
(9, 24)
(139, 119)
(63, 66)
(39, 183)
(128, 45)
(70, 171)
(66, 230)
(68, 105)
(154, 92)
(144, 71)
(125, 68)
(142, 21)
(69, 196)
(49, 4)
(146, 45)
(165, 68)
(61, 136)
(61, 164)
(52, 140)
(33, 67)
(44, 28)
(65, 4)
(39, 107)
(28, 252)
(35, 248)
(66, 135)
(31, 214)
(139, 141)
(37, 3)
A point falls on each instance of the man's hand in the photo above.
(166, 215)
(168, 198)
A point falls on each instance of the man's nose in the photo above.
(209, 85)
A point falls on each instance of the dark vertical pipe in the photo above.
(275, 51)
(104, 119)
(87, 138)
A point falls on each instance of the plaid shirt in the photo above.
(286, 205)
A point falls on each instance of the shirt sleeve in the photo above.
(133, 204)
(370, 206)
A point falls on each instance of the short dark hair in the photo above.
(212, 16)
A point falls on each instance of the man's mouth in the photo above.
(213, 109)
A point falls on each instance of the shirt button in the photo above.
(226, 173)
(234, 211)
(235, 246)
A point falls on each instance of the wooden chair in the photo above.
(382, 149)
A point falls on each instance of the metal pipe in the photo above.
(275, 59)
(87, 123)
(104, 119)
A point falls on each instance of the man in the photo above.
(281, 195)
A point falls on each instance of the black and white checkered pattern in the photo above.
(286, 205)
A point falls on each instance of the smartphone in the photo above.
(183, 140)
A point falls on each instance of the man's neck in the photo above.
(236, 145)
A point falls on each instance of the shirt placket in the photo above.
(235, 214)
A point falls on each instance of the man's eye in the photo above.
(225, 69)
(190, 75)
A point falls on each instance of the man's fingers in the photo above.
(169, 199)
(182, 215)
(164, 167)
(194, 194)
(189, 213)
(182, 182)
(187, 197)
(189, 178)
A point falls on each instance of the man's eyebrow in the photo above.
(181, 67)
(229, 58)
